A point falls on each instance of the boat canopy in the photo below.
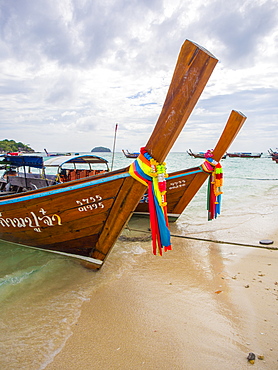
(20, 161)
(76, 159)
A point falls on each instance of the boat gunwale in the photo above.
(64, 187)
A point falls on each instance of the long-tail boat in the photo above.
(244, 155)
(127, 154)
(273, 155)
(200, 154)
(184, 184)
(196, 154)
(84, 217)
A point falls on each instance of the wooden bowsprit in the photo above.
(182, 185)
(193, 69)
(233, 125)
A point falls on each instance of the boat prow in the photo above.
(183, 185)
(85, 216)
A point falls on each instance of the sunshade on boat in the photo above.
(19, 161)
(59, 161)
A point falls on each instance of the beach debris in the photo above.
(260, 357)
(247, 286)
(125, 238)
(266, 242)
(218, 291)
(251, 357)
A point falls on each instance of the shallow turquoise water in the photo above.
(41, 294)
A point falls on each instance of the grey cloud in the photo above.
(260, 99)
(10, 87)
(137, 40)
(83, 33)
(239, 27)
(63, 90)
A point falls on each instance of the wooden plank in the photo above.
(193, 69)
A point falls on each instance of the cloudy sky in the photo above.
(71, 69)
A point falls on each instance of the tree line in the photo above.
(13, 146)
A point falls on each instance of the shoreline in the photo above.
(207, 314)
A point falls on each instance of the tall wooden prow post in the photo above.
(193, 69)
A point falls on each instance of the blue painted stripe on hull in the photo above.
(80, 186)
(63, 190)
(183, 174)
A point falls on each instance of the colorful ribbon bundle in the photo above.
(152, 174)
(215, 184)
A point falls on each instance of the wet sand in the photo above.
(203, 305)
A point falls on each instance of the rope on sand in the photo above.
(215, 241)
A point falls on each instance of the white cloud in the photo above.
(71, 69)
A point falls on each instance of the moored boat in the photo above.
(196, 154)
(84, 217)
(273, 155)
(184, 184)
(56, 154)
(130, 155)
(244, 155)
(200, 154)
(26, 173)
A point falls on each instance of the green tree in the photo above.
(12, 146)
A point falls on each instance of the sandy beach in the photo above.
(203, 305)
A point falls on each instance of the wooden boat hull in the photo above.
(177, 185)
(67, 218)
(200, 154)
(196, 155)
(183, 185)
(86, 216)
(244, 155)
(273, 155)
(127, 154)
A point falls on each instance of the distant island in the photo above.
(12, 146)
(101, 149)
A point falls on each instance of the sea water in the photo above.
(41, 294)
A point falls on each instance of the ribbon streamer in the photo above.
(152, 174)
(214, 186)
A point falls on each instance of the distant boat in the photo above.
(130, 155)
(55, 154)
(200, 154)
(244, 155)
(14, 153)
(196, 154)
(273, 155)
